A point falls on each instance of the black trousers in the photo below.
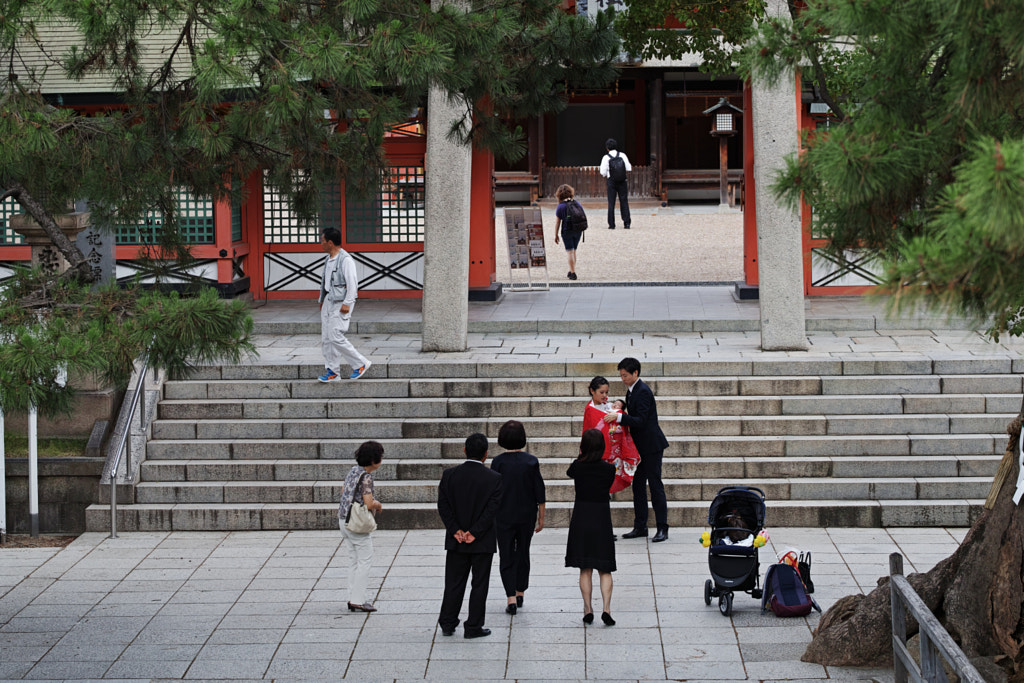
(621, 190)
(457, 568)
(514, 556)
(649, 472)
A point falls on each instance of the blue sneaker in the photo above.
(329, 376)
(356, 374)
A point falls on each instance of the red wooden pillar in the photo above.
(749, 205)
(252, 233)
(222, 240)
(481, 220)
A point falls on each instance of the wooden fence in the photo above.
(936, 643)
(588, 181)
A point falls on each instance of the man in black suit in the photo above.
(467, 499)
(641, 416)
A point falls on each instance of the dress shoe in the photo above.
(361, 608)
(447, 631)
(611, 227)
(510, 608)
(607, 619)
(477, 633)
(626, 227)
(662, 535)
(519, 600)
(635, 533)
(588, 618)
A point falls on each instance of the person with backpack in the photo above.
(614, 167)
(570, 221)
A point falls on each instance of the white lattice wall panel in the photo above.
(850, 269)
(378, 271)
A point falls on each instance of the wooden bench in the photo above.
(512, 180)
(702, 179)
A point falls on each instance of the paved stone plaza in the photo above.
(271, 605)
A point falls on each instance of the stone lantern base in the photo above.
(43, 252)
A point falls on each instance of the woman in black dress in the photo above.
(591, 544)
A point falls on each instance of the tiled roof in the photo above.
(38, 63)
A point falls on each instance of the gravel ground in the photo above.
(25, 541)
(674, 244)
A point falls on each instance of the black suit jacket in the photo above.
(468, 498)
(522, 487)
(641, 417)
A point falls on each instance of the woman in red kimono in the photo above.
(619, 448)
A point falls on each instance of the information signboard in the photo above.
(524, 232)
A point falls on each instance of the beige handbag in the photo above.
(360, 520)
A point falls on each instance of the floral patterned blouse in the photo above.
(349, 490)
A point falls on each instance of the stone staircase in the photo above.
(858, 442)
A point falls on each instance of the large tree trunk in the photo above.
(976, 592)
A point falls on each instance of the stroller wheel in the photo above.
(725, 603)
(707, 592)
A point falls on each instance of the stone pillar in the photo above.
(449, 168)
(779, 238)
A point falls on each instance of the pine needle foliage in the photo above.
(927, 165)
(80, 333)
(713, 29)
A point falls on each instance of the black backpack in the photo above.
(575, 218)
(616, 168)
(784, 593)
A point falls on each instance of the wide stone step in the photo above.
(553, 468)
(286, 516)
(530, 387)
(558, 447)
(569, 408)
(420, 428)
(415, 368)
(561, 490)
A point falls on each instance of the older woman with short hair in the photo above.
(359, 481)
(521, 513)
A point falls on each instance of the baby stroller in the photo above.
(736, 517)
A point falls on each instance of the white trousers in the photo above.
(336, 347)
(360, 552)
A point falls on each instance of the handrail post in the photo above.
(113, 504)
(125, 441)
(3, 481)
(899, 618)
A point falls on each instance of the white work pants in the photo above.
(336, 347)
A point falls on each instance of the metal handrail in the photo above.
(936, 643)
(140, 390)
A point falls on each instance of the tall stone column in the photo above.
(449, 168)
(779, 238)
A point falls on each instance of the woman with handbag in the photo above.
(355, 517)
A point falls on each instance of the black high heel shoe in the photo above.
(607, 619)
(510, 608)
(588, 618)
(519, 600)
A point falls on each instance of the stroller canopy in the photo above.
(746, 501)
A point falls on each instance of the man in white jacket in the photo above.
(338, 290)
